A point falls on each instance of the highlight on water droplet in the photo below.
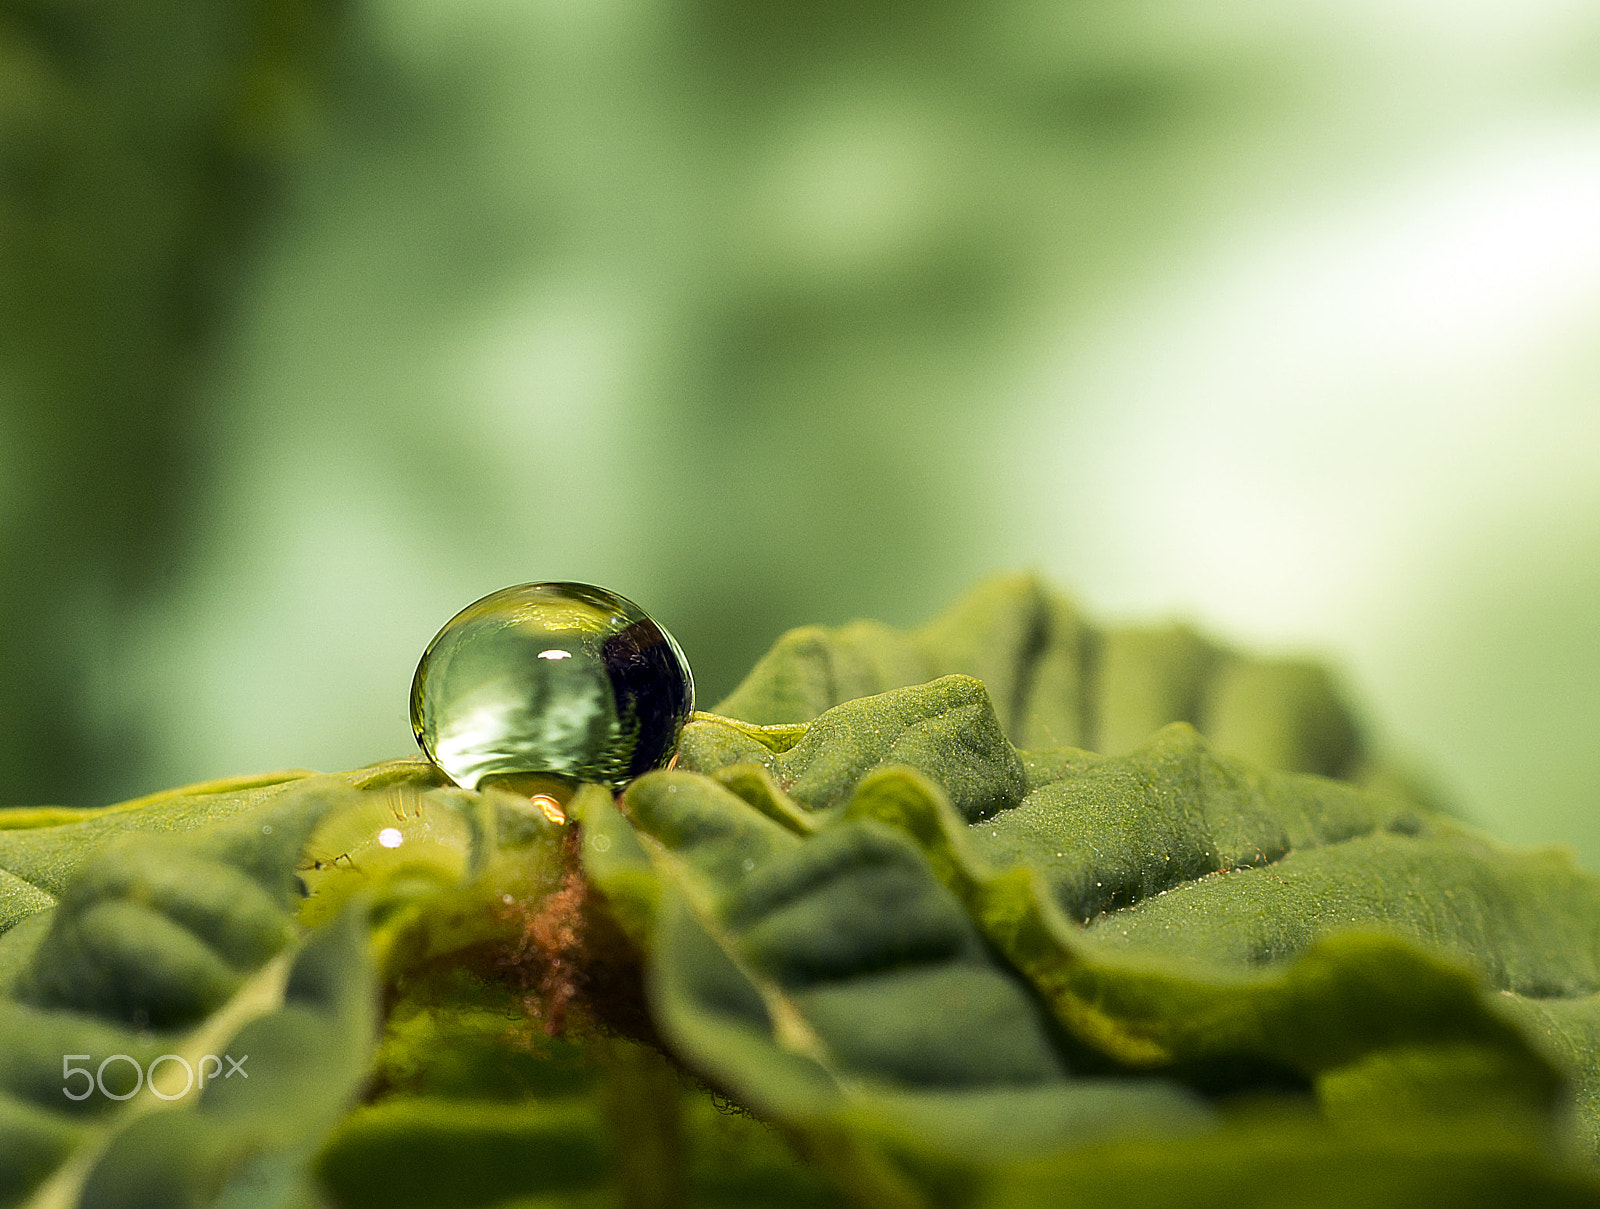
(390, 837)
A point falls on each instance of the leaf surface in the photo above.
(1198, 928)
(1057, 681)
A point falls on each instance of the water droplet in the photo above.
(266, 829)
(401, 838)
(600, 843)
(748, 864)
(561, 679)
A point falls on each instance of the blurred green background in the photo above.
(319, 320)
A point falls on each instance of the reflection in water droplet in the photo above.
(551, 808)
(390, 837)
(561, 679)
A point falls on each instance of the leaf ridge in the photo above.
(260, 994)
(1154, 1017)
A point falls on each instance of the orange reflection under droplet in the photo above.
(551, 808)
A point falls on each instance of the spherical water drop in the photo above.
(544, 686)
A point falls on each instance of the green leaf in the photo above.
(177, 919)
(306, 1047)
(172, 946)
(948, 727)
(474, 1104)
(1290, 1159)
(804, 975)
(850, 949)
(41, 848)
(1056, 681)
(181, 917)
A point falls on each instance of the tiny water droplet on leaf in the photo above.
(379, 842)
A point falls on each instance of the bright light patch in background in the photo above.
(1348, 430)
(1372, 370)
(390, 837)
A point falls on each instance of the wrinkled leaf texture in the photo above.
(1006, 911)
(166, 927)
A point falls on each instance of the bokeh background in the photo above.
(319, 320)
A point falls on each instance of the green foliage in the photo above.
(181, 946)
(139, 145)
(854, 949)
(1056, 681)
